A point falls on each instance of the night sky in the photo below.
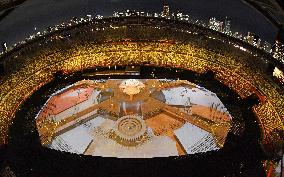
(20, 23)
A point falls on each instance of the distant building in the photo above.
(181, 16)
(249, 38)
(267, 47)
(215, 24)
(237, 35)
(257, 43)
(156, 15)
(4, 47)
(89, 17)
(278, 51)
(166, 11)
(99, 17)
(227, 28)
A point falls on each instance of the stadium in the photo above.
(139, 96)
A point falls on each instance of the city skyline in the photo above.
(21, 22)
(213, 23)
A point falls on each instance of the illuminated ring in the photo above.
(130, 128)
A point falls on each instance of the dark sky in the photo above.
(42, 13)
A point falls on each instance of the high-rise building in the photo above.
(257, 43)
(249, 38)
(166, 11)
(215, 24)
(227, 27)
(89, 17)
(4, 47)
(253, 39)
(267, 47)
(278, 52)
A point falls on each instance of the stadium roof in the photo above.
(272, 9)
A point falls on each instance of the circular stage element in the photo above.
(129, 130)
